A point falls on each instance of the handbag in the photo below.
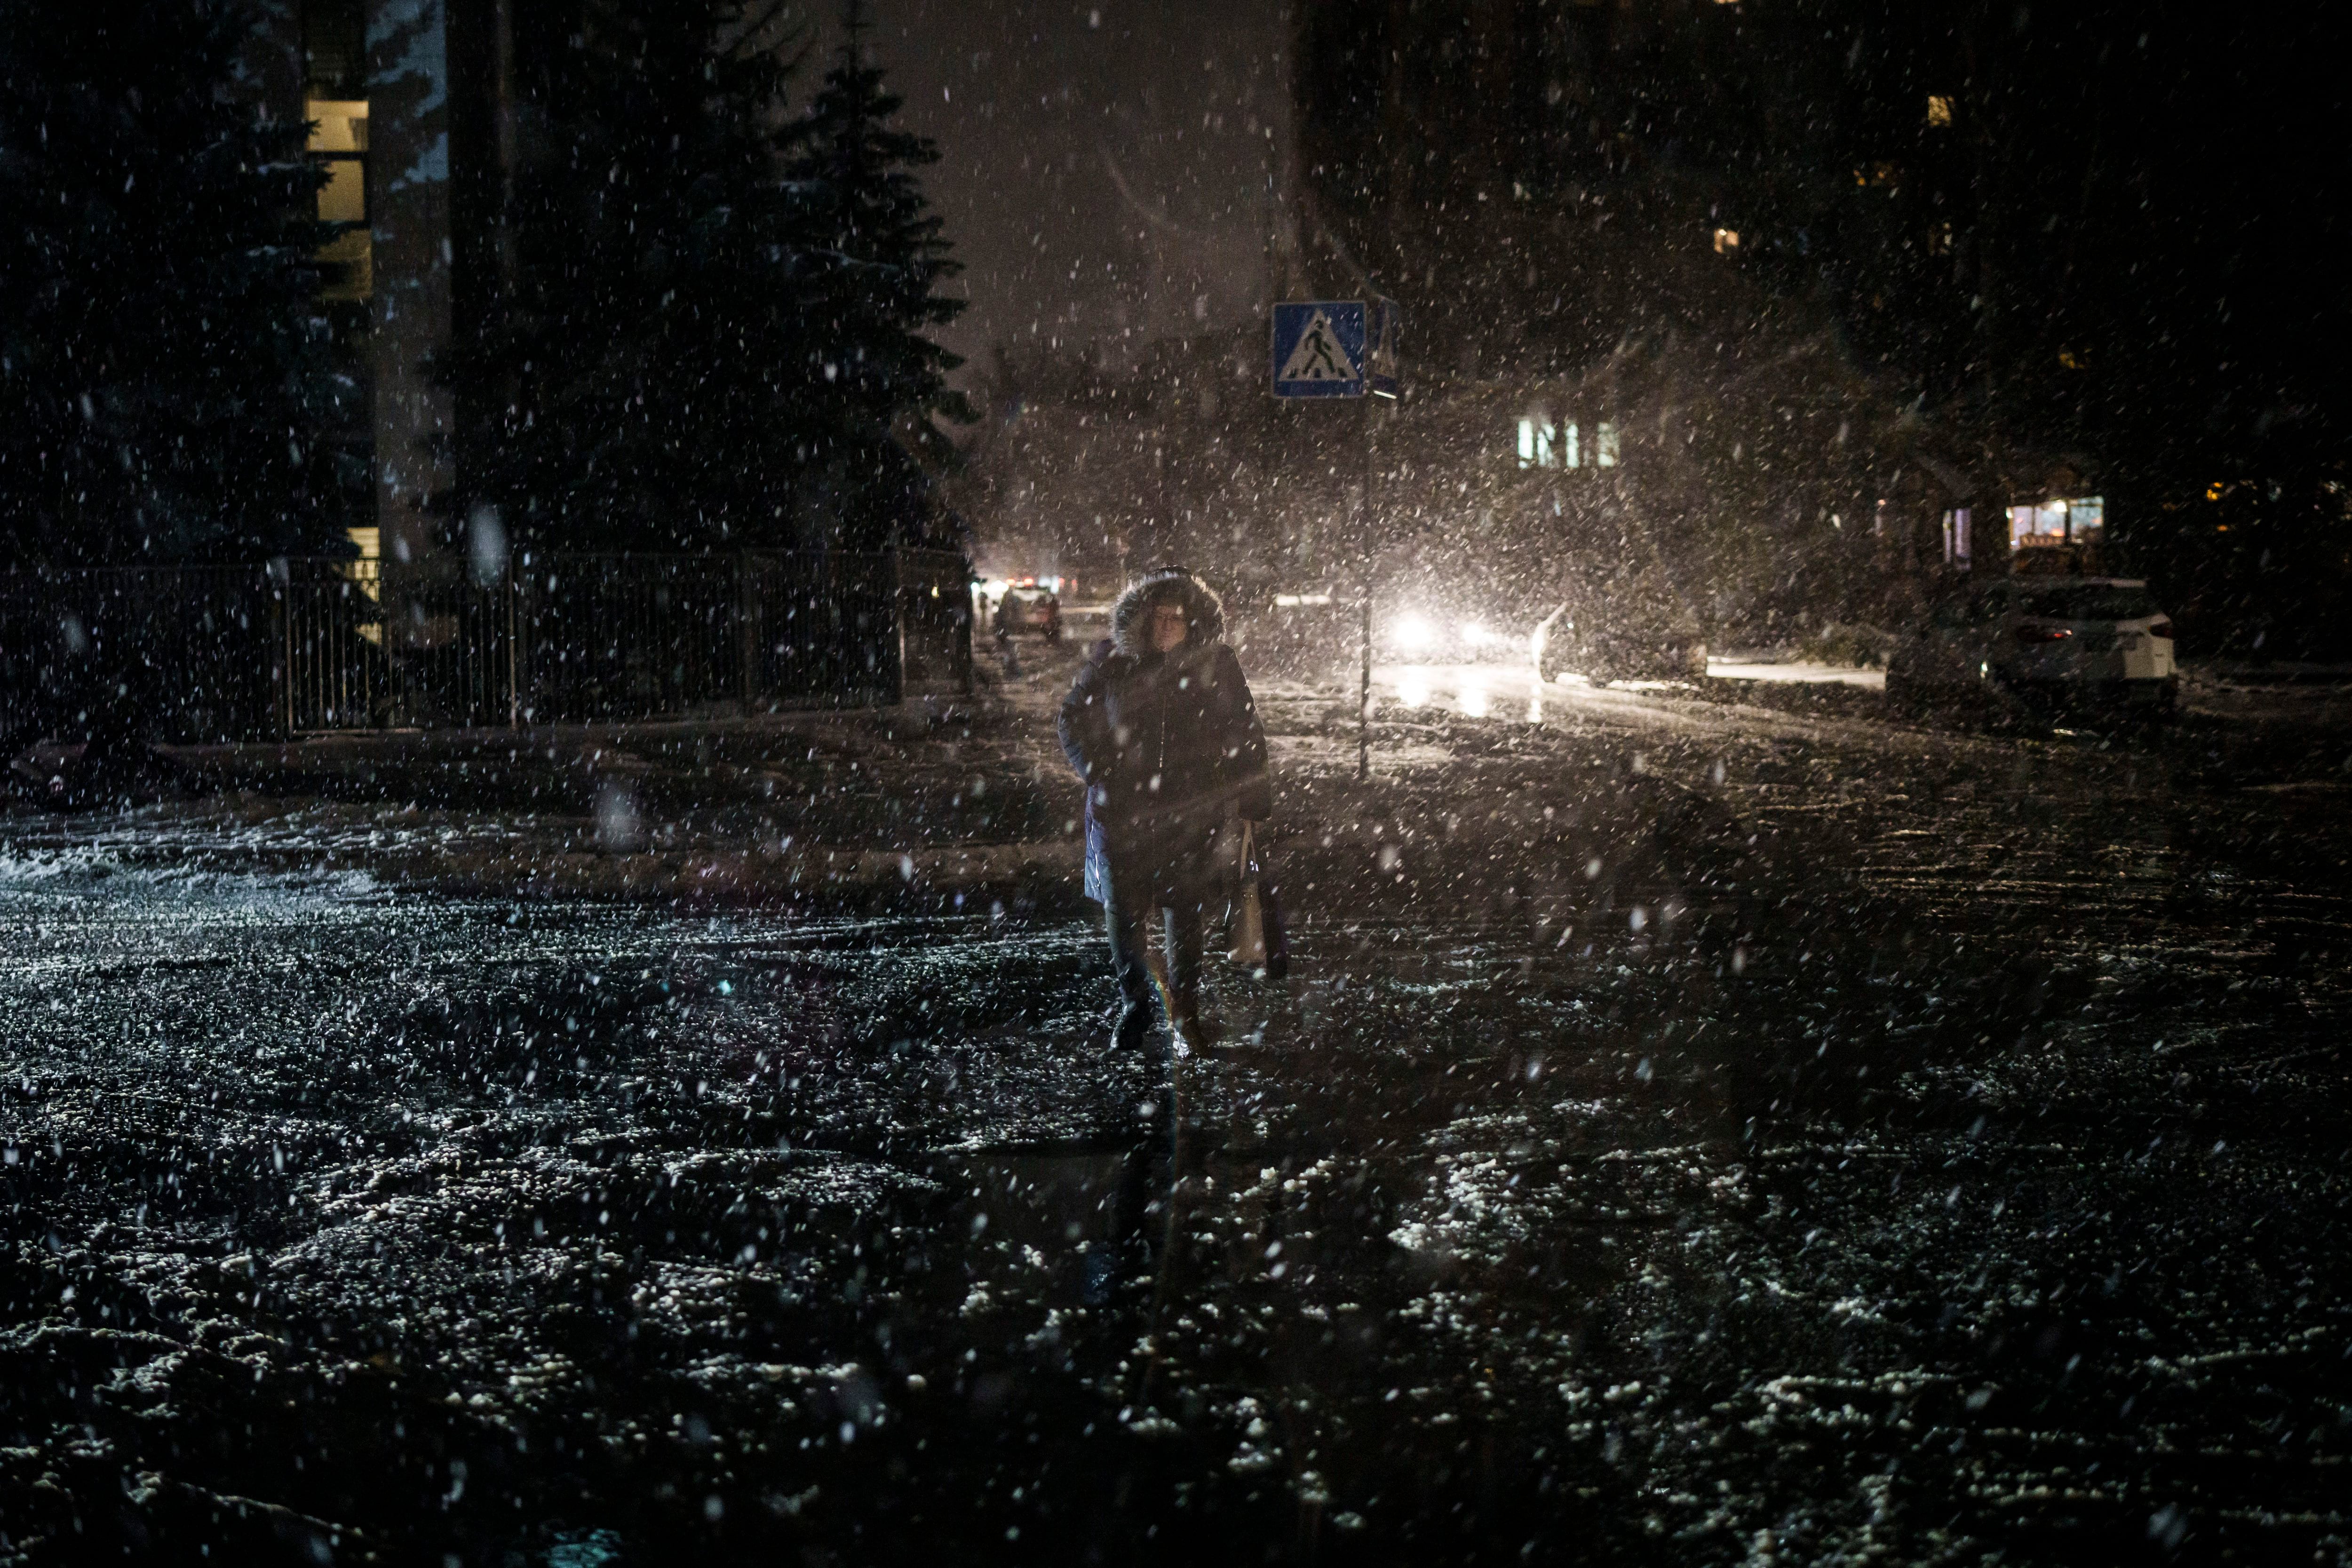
(1245, 911)
(1248, 929)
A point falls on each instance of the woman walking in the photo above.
(1160, 726)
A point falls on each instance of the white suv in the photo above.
(2059, 641)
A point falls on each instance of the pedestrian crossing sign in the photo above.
(1320, 348)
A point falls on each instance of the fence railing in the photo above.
(218, 653)
(627, 636)
(363, 649)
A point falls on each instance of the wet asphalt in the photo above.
(1957, 1174)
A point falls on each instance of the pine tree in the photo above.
(877, 251)
(165, 376)
(712, 332)
(637, 388)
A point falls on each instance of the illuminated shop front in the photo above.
(2080, 520)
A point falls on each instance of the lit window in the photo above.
(2079, 520)
(1567, 453)
(1726, 240)
(1956, 535)
(367, 571)
(339, 142)
(1604, 445)
(1939, 109)
(338, 126)
(1538, 442)
(2031, 527)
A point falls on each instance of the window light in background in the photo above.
(339, 139)
(2078, 521)
(1538, 442)
(1543, 445)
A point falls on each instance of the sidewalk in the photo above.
(949, 805)
(941, 791)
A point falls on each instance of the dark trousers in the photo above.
(1180, 919)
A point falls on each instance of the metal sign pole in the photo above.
(1364, 695)
(1343, 348)
(1364, 544)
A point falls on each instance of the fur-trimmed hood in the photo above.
(1202, 609)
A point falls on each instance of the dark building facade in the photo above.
(420, 109)
(398, 93)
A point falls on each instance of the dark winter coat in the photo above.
(1168, 745)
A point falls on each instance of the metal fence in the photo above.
(364, 649)
(627, 636)
(817, 623)
(934, 617)
(218, 653)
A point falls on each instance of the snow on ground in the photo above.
(1798, 671)
(1713, 1123)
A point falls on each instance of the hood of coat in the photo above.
(1202, 609)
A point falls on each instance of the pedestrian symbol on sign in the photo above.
(1318, 349)
(1318, 357)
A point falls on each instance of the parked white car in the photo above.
(2084, 643)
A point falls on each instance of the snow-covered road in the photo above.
(1683, 1116)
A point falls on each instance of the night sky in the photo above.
(1105, 165)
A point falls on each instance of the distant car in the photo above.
(2087, 643)
(1029, 609)
(1411, 636)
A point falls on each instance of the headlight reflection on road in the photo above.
(1412, 688)
(1473, 697)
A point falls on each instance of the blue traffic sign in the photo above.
(1318, 348)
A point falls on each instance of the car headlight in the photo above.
(1411, 633)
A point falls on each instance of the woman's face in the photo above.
(1168, 628)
